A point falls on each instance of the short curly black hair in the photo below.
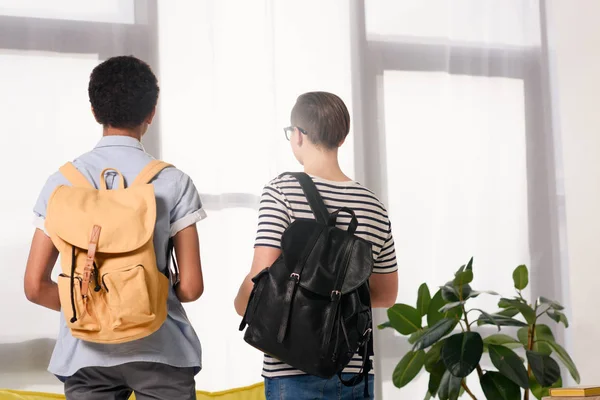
(123, 92)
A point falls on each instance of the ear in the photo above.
(150, 116)
(299, 138)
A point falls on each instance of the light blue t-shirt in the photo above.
(178, 206)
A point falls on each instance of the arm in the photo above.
(273, 219)
(39, 287)
(183, 217)
(187, 252)
(384, 280)
(384, 289)
(264, 257)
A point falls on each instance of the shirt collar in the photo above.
(119, 141)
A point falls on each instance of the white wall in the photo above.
(574, 45)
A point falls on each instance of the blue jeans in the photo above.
(307, 387)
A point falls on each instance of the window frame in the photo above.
(409, 54)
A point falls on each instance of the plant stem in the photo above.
(479, 370)
(530, 343)
(467, 390)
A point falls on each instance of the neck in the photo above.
(135, 133)
(324, 164)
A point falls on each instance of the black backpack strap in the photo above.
(367, 350)
(293, 282)
(312, 195)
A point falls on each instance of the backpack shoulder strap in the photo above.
(150, 171)
(74, 176)
(312, 195)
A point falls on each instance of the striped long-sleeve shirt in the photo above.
(283, 201)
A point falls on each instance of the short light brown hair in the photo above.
(323, 116)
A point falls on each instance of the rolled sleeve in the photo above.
(386, 259)
(188, 207)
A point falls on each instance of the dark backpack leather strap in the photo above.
(367, 351)
(312, 195)
(293, 282)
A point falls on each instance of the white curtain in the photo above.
(449, 127)
(457, 93)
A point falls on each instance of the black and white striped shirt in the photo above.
(283, 201)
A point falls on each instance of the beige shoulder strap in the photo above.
(150, 171)
(74, 176)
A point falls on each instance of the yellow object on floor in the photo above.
(254, 392)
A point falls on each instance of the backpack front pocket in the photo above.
(79, 313)
(127, 298)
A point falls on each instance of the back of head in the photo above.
(123, 92)
(324, 117)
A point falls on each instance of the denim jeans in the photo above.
(307, 387)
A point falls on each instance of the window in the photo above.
(112, 11)
(453, 93)
(46, 56)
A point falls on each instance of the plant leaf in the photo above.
(564, 357)
(499, 319)
(462, 352)
(558, 317)
(450, 306)
(449, 293)
(434, 315)
(541, 392)
(498, 387)
(408, 367)
(545, 369)
(404, 318)
(542, 332)
(449, 387)
(463, 278)
(500, 339)
(452, 293)
(489, 317)
(423, 299)
(521, 277)
(433, 356)
(435, 333)
(507, 303)
(553, 304)
(386, 324)
(508, 312)
(415, 336)
(476, 293)
(470, 265)
(435, 377)
(509, 364)
(527, 312)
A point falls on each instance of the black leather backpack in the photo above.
(312, 308)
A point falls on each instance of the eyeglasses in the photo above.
(290, 130)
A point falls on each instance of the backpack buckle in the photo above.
(295, 277)
(335, 295)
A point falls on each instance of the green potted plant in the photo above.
(449, 347)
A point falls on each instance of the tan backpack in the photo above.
(111, 290)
